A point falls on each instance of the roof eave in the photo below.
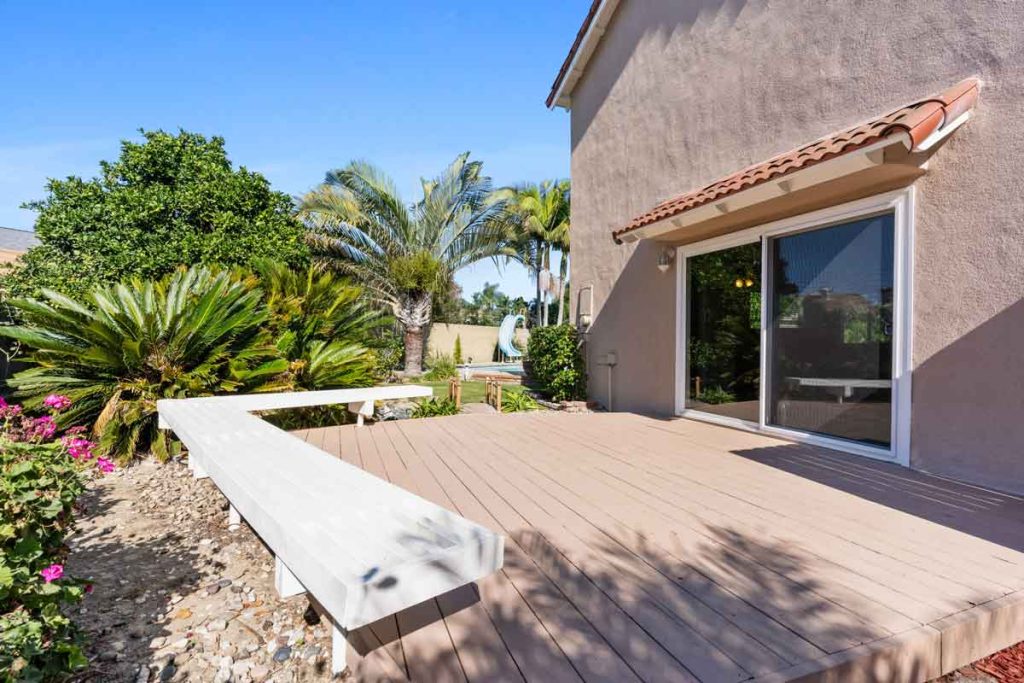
(826, 171)
(578, 57)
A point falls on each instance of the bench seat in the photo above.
(363, 547)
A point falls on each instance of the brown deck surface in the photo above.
(640, 549)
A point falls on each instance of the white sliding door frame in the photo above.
(901, 205)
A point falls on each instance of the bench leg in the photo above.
(234, 519)
(284, 581)
(362, 409)
(197, 470)
(339, 650)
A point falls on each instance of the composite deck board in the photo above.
(622, 578)
(922, 595)
(530, 648)
(736, 558)
(652, 645)
(913, 529)
(669, 550)
(588, 650)
(836, 510)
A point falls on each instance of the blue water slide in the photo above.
(506, 335)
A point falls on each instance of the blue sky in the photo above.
(294, 88)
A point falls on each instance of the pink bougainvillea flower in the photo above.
(77, 429)
(3, 403)
(7, 410)
(43, 427)
(88, 588)
(78, 448)
(52, 573)
(104, 465)
(57, 402)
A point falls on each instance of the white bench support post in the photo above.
(284, 581)
(362, 409)
(339, 649)
(197, 470)
(234, 519)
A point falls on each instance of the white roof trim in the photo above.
(603, 16)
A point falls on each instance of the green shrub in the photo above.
(388, 350)
(517, 402)
(716, 395)
(435, 407)
(198, 332)
(457, 352)
(40, 480)
(556, 364)
(440, 367)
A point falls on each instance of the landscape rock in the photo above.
(177, 596)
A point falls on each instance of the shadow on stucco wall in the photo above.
(653, 23)
(964, 426)
(637, 323)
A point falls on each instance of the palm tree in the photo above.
(405, 254)
(543, 214)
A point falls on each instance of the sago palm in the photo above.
(542, 212)
(196, 332)
(404, 253)
(321, 325)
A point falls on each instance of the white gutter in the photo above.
(602, 17)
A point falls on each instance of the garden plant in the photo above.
(41, 478)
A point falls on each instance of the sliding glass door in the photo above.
(831, 331)
(801, 327)
(724, 332)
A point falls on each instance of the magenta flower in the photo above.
(78, 448)
(52, 573)
(43, 427)
(57, 402)
(7, 410)
(104, 465)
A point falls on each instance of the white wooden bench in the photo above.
(362, 547)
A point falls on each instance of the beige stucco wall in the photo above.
(478, 341)
(681, 92)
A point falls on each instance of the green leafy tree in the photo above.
(166, 201)
(408, 254)
(196, 332)
(543, 216)
(488, 306)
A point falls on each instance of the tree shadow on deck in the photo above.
(617, 604)
(991, 515)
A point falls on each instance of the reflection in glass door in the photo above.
(831, 330)
(724, 332)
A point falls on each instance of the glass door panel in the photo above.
(831, 330)
(724, 332)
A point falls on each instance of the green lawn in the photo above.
(472, 392)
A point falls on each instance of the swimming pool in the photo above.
(510, 368)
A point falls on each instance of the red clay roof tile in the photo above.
(917, 120)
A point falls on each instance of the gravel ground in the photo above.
(180, 597)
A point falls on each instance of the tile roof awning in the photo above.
(918, 126)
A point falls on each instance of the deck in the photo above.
(651, 550)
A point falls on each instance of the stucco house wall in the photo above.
(682, 92)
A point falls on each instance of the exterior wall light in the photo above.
(665, 258)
